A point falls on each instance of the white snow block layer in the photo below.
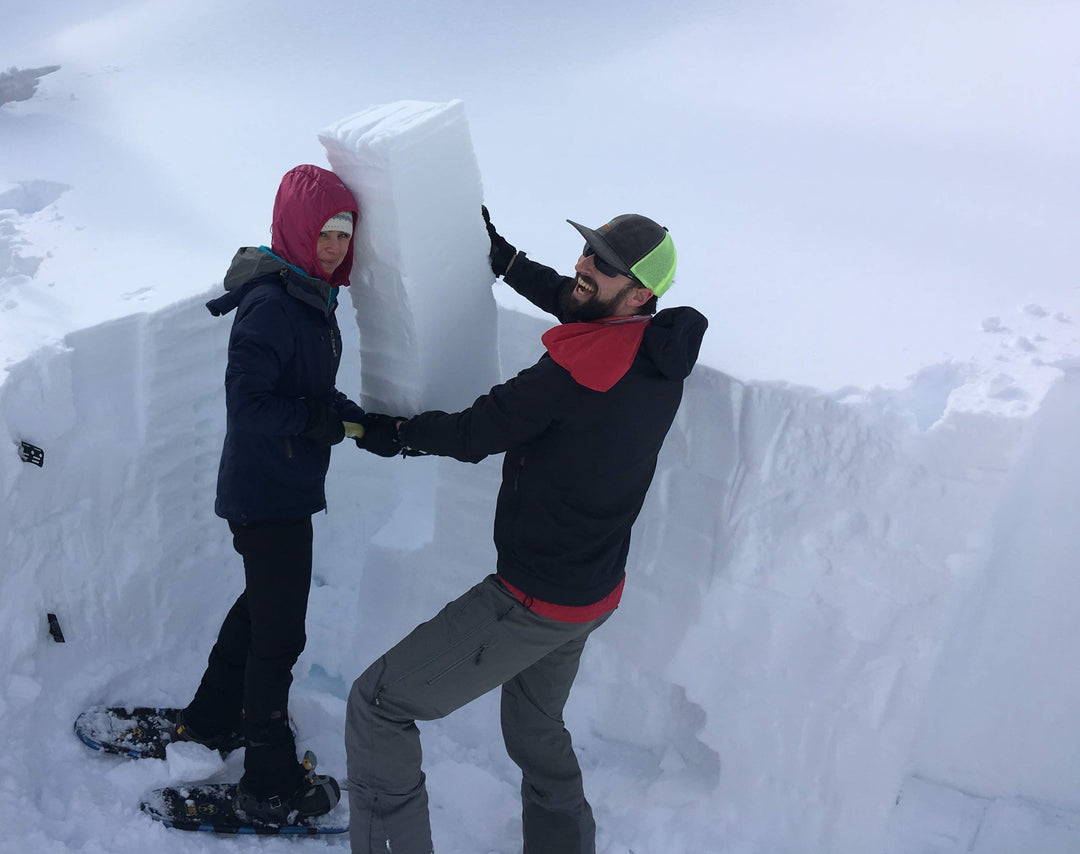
(421, 283)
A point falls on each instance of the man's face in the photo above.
(592, 295)
(331, 249)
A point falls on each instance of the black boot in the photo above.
(316, 795)
(224, 742)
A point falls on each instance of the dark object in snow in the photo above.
(141, 732)
(54, 628)
(31, 454)
(209, 807)
(20, 84)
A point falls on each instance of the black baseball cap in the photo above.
(636, 247)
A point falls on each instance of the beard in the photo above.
(594, 308)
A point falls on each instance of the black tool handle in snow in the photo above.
(32, 454)
(54, 628)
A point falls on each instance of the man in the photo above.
(581, 430)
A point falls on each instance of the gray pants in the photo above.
(482, 640)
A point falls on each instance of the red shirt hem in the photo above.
(567, 613)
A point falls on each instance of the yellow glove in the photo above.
(354, 430)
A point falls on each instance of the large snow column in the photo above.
(421, 284)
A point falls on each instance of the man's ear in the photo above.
(638, 297)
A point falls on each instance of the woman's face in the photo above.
(331, 249)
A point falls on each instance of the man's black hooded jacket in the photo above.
(578, 462)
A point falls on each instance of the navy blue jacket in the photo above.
(285, 347)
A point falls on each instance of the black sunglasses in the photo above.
(604, 267)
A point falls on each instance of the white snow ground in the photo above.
(848, 622)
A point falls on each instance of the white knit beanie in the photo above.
(340, 222)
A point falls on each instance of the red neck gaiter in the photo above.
(597, 354)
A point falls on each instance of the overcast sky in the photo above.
(853, 187)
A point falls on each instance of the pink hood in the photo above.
(307, 198)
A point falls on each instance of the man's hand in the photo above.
(380, 434)
(502, 254)
(323, 424)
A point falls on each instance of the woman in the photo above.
(283, 413)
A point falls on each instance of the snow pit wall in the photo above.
(1000, 717)
(790, 581)
(111, 531)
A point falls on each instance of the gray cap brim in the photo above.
(602, 248)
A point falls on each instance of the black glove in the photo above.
(324, 425)
(501, 255)
(380, 434)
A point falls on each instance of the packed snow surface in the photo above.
(849, 617)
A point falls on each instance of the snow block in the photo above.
(420, 279)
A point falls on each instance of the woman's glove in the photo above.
(324, 425)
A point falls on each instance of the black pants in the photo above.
(246, 683)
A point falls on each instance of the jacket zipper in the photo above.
(331, 310)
